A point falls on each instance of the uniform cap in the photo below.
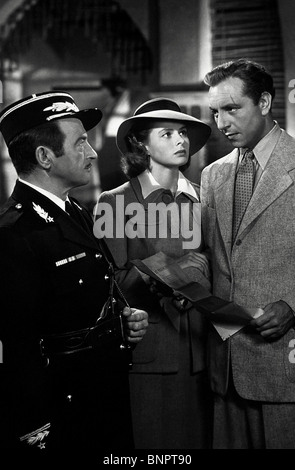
(40, 108)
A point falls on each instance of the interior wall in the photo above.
(184, 46)
(287, 16)
(184, 42)
(79, 66)
(139, 13)
(7, 7)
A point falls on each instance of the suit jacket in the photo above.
(159, 350)
(52, 276)
(259, 269)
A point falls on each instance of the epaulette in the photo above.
(10, 213)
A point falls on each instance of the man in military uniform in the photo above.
(65, 334)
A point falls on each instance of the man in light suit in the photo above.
(253, 372)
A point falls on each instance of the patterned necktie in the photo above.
(243, 189)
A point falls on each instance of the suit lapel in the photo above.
(273, 182)
(224, 197)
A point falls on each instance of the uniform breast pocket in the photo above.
(289, 354)
(74, 272)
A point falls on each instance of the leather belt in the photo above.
(106, 331)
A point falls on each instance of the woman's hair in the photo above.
(22, 148)
(137, 159)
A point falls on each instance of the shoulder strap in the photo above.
(113, 283)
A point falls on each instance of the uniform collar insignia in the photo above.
(42, 213)
(37, 437)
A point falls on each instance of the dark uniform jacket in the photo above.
(54, 279)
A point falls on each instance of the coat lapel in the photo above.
(49, 213)
(273, 182)
(75, 232)
(224, 197)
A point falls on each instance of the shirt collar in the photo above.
(50, 196)
(265, 146)
(149, 185)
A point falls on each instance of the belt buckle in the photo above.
(64, 344)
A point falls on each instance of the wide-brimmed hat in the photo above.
(40, 108)
(163, 109)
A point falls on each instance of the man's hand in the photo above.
(276, 320)
(136, 324)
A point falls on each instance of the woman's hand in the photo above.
(194, 260)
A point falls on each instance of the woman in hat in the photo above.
(170, 398)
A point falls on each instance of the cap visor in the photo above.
(89, 117)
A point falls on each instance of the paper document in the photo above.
(226, 317)
(167, 270)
